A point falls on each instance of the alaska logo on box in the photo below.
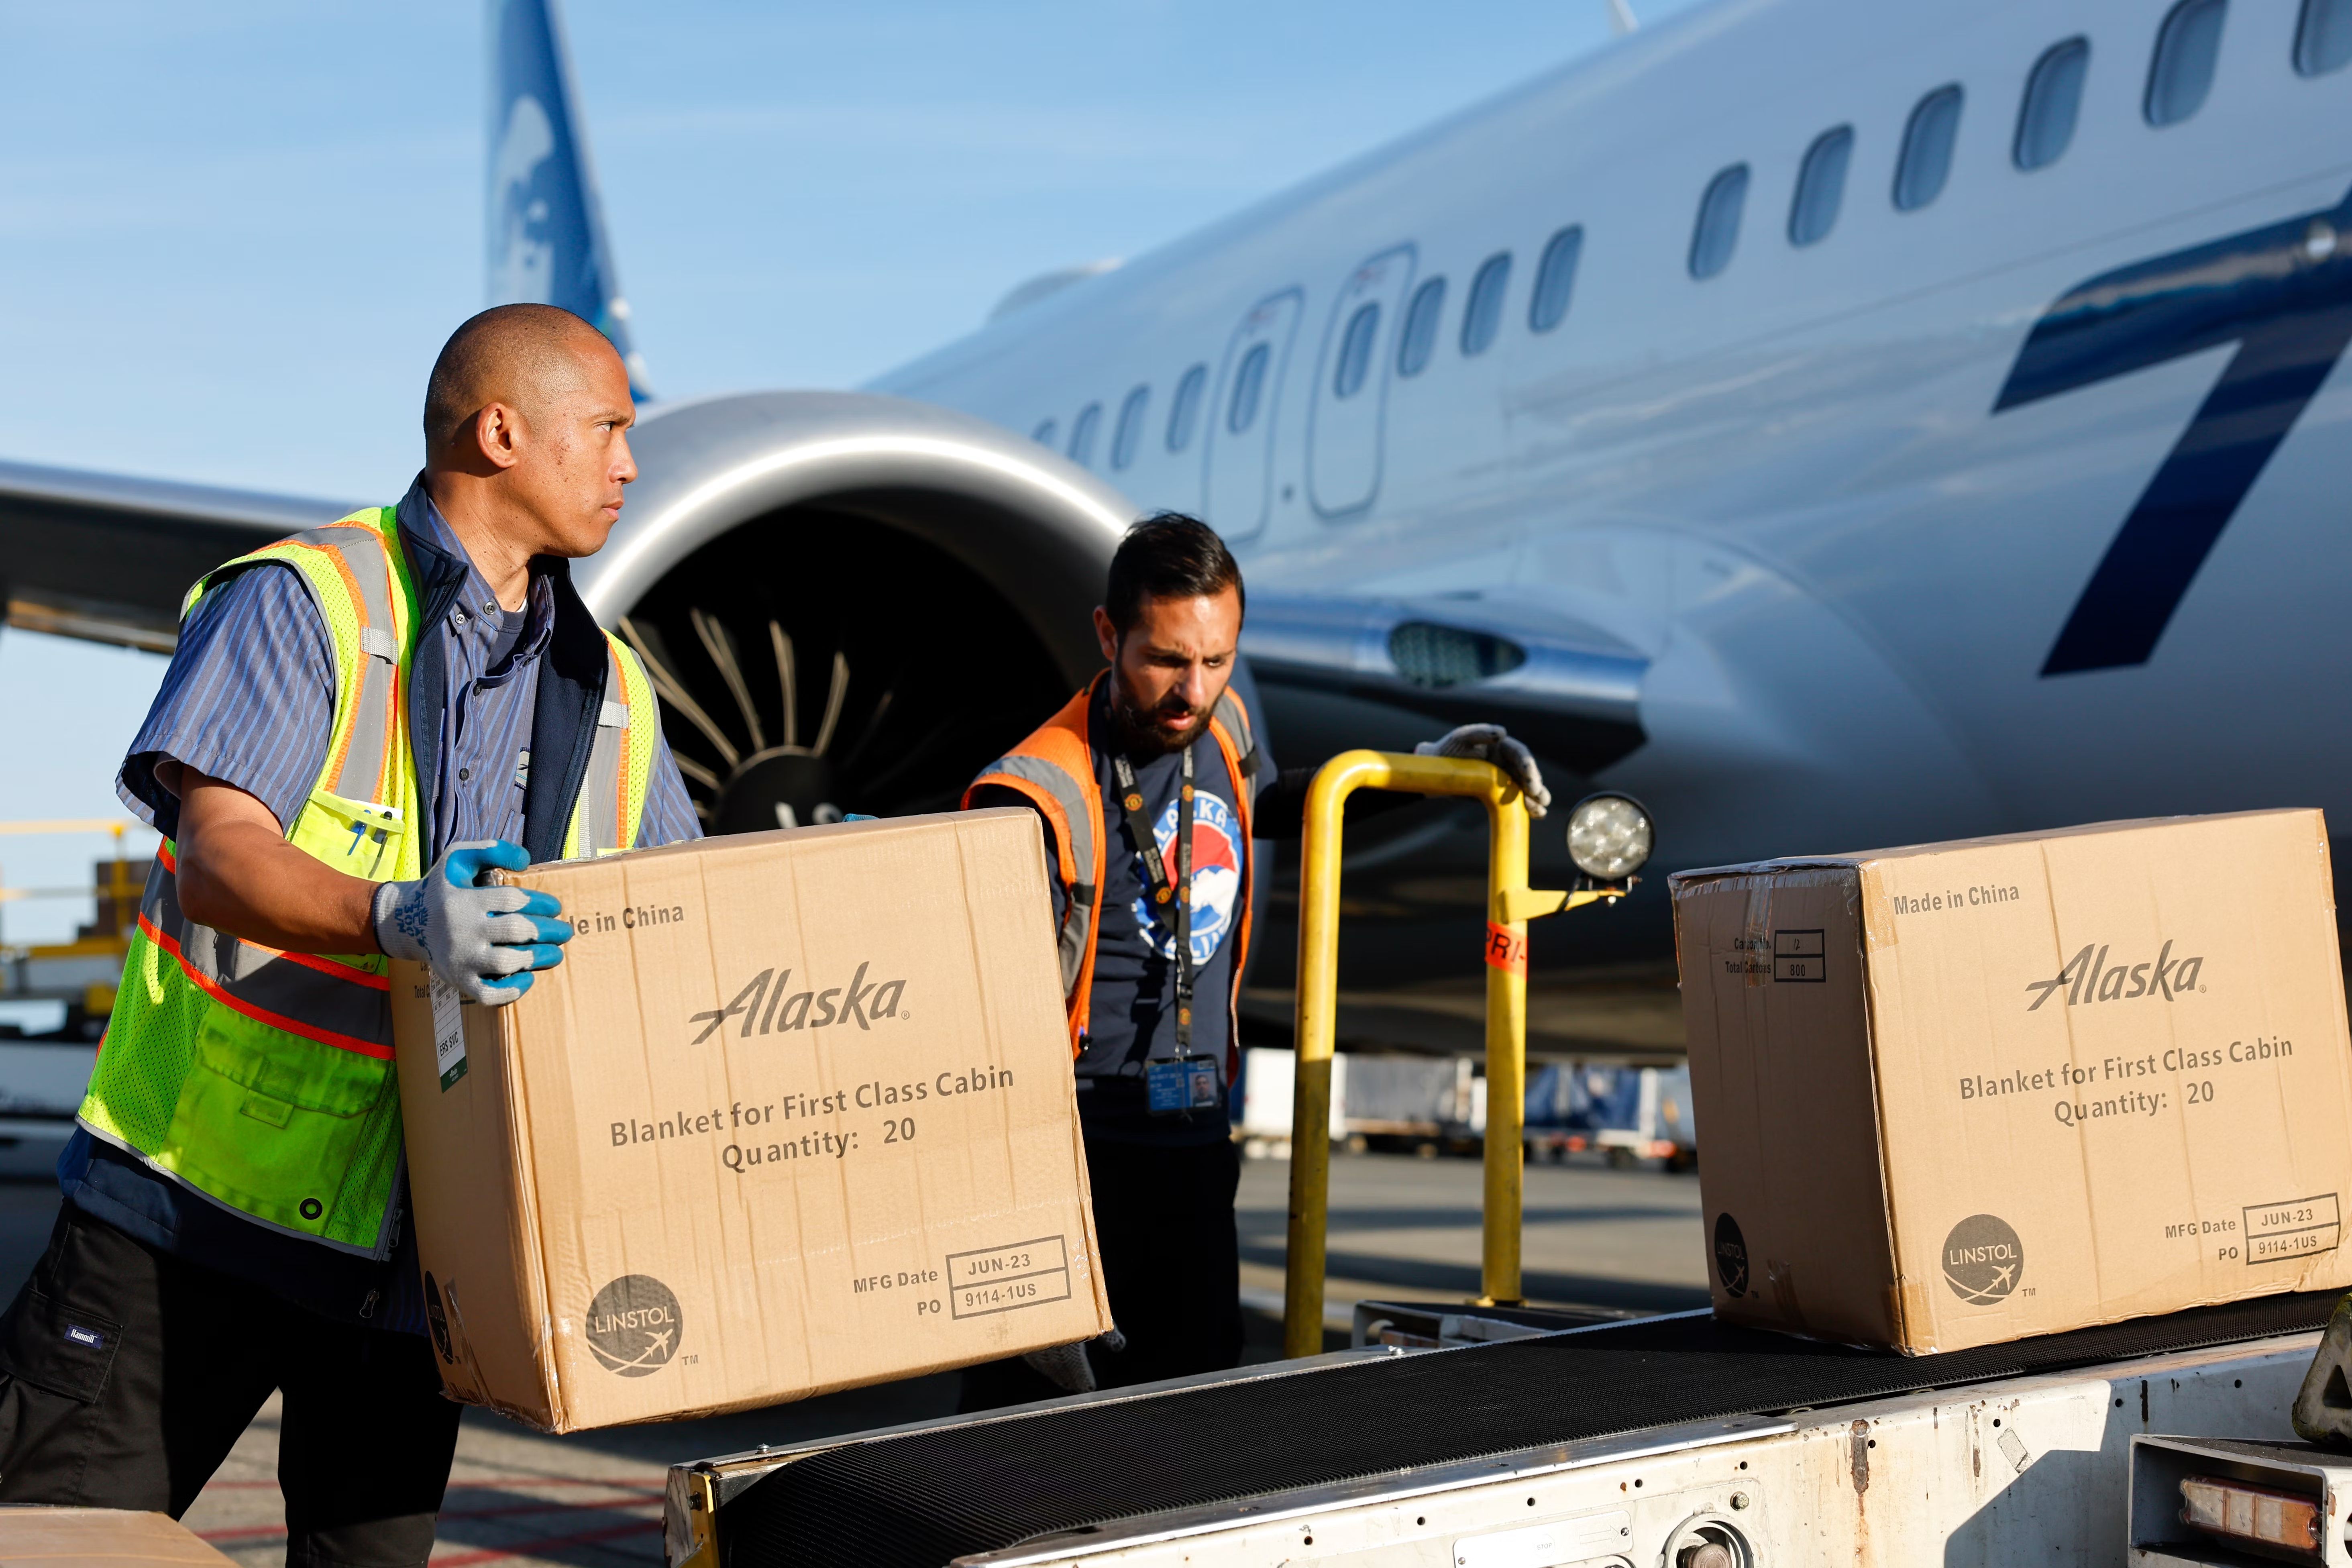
(2087, 978)
(1983, 1259)
(803, 1009)
(633, 1325)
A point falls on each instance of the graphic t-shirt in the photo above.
(1133, 1016)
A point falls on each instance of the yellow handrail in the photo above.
(1511, 904)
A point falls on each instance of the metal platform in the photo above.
(1070, 1471)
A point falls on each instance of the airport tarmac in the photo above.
(1400, 1227)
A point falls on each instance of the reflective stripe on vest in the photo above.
(263, 1080)
(620, 762)
(1055, 769)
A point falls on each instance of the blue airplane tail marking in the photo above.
(2282, 293)
(545, 228)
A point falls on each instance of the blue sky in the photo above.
(233, 236)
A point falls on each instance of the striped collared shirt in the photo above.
(250, 699)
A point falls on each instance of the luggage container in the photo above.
(1628, 1114)
(1424, 1105)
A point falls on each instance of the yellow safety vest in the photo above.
(263, 1080)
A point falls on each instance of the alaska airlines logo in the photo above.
(2088, 977)
(1217, 877)
(772, 1007)
(2283, 294)
(523, 254)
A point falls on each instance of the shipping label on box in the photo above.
(795, 1113)
(1958, 1093)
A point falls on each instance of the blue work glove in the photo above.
(1492, 743)
(483, 941)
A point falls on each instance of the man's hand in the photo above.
(486, 942)
(1491, 743)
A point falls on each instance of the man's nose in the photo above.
(624, 466)
(1195, 687)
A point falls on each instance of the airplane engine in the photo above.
(850, 602)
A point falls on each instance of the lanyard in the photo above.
(1175, 899)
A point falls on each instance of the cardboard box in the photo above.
(35, 1537)
(1959, 1093)
(794, 1114)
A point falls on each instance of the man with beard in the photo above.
(1151, 783)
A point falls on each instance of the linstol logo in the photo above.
(1730, 1256)
(633, 1325)
(2088, 977)
(764, 1001)
(1983, 1259)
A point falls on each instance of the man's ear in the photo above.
(497, 435)
(1106, 634)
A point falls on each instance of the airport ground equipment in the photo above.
(2223, 1502)
(84, 972)
(1673, 1442)
(1628, 1113)
(1421, 1103)
(43, 1076)
(1511, 904)
(2323, 1406)
(1439, 1325)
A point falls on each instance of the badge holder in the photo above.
(1180, 1086)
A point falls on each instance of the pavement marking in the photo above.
(551, 1543)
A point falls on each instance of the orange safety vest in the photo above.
(1055, 768)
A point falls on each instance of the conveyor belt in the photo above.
(930, 1497)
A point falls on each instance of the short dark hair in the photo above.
(486, 350)
(1169, 556)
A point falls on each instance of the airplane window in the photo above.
(1044, 434)
(1820, 186)
(1356, 350)
(1717, 228)
(2054, 92)
(1420, 334)
(1130, 433)
(1555, 278)
(2323, 38)
(1082, 435)
(1484, 313)
(1248, 382)
(1185, 411)
(2181, 73)
(1926, 159)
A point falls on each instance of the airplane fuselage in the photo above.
(2012, 507)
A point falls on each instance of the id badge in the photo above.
(1180, 1087)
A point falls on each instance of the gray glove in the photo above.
(1067, 1366)
(1491, 743)
(485, 942)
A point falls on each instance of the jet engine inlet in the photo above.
(812, 662)
(848, 603)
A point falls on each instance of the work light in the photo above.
(1609, 836)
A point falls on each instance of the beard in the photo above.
(1140, 731)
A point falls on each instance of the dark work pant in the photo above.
(126, 1375)
(1171, 1260)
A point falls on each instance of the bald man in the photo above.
(359, 723)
